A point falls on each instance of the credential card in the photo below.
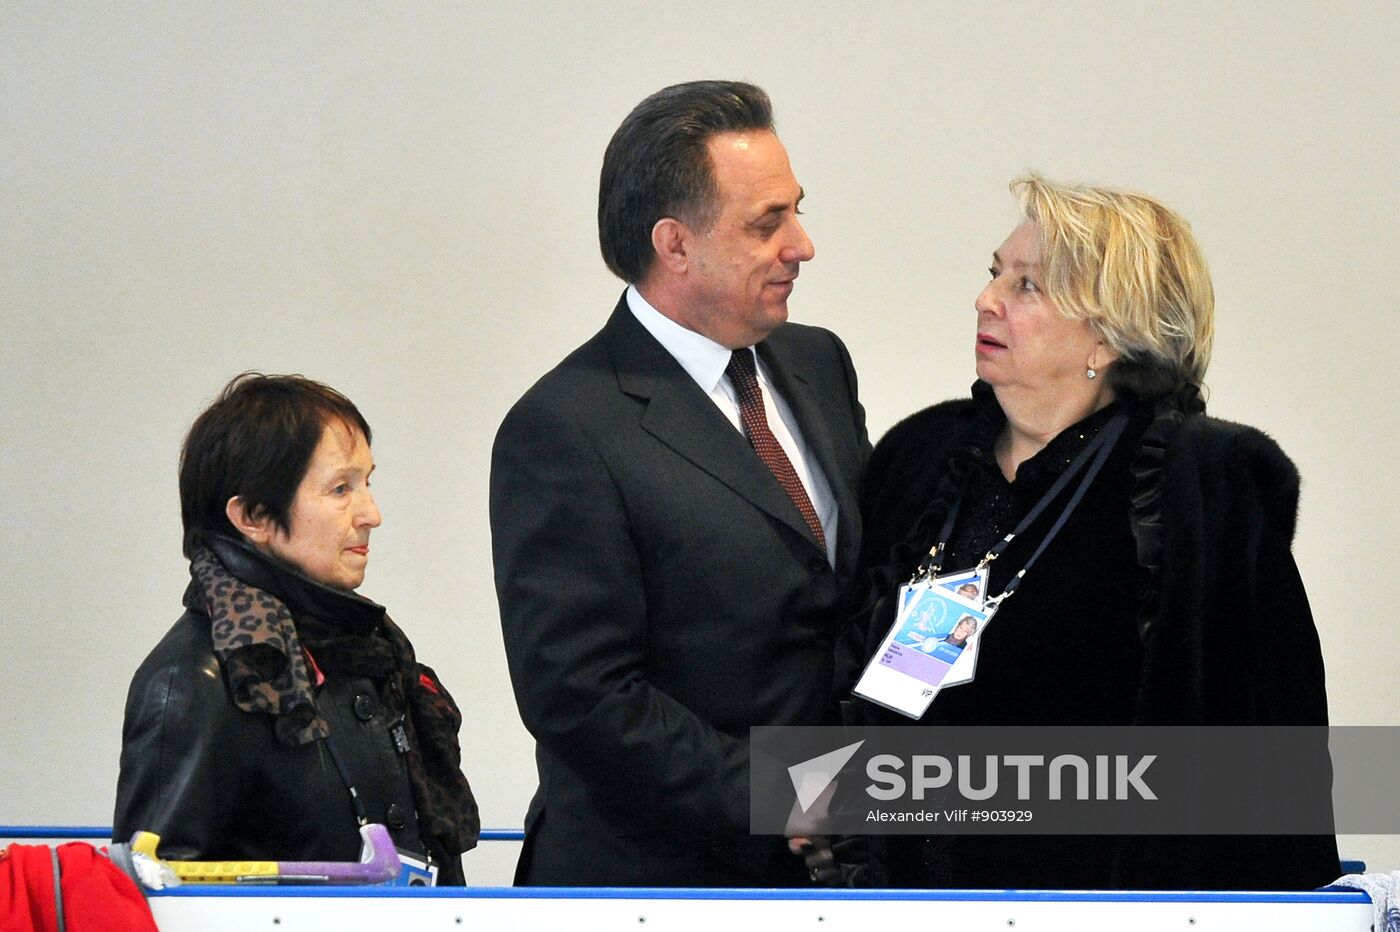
(931, 635)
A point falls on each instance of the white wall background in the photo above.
(399, 199)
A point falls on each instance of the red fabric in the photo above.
(26, 889)
(97, 896)
(318, 678)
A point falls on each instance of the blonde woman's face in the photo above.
(1023, 340)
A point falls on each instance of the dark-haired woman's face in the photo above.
(333, 512)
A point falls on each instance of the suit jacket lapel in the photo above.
(684, 418)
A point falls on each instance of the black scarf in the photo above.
(263, 651)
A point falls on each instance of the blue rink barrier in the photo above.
(226, 908)
(504, 909)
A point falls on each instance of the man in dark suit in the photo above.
(672, 521)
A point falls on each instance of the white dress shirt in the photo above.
(705, 361)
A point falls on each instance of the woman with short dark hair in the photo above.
(283, 710)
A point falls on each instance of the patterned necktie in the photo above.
(745, 381)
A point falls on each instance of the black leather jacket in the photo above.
(213, 780)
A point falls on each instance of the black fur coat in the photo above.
(1210, 621)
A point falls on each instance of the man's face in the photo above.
(741, 270)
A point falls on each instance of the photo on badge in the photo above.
(970, 585)
(939, 628)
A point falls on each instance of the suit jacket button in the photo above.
(365, 707)
(819, 563)
(395, 817)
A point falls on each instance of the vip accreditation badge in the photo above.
(932, 643)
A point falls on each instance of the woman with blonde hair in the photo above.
(1085, 463)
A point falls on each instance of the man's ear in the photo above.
(671, 240)
(257, 528)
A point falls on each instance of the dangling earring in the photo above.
(1091, 373)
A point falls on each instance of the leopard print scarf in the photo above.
(260, 648)
(256, 642)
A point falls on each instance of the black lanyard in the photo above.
(1097, 449)
(349, 783)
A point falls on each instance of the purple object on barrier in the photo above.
(379, 863)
